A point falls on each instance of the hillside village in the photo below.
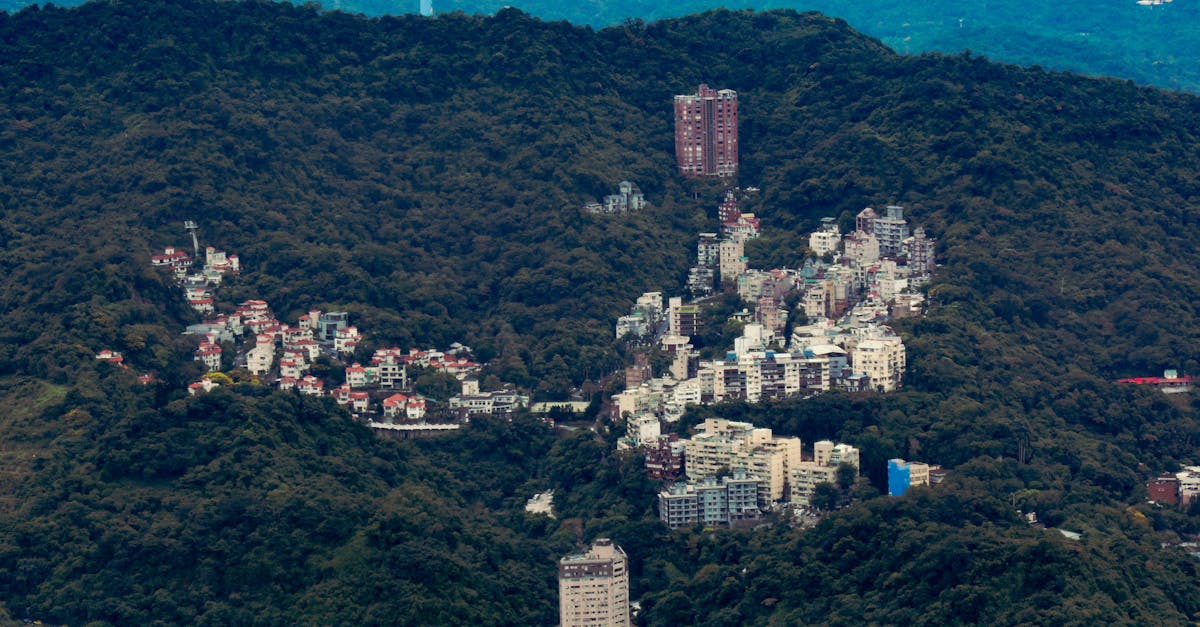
(379, 393)
(834, 336)
(845, 293)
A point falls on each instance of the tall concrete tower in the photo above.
(706, 132)
(593, 587)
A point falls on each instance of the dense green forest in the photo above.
(1152, 45)
(426, 175)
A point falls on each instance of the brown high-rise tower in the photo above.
(706, 132)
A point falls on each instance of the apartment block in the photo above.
(593, 587)
(706, 132)
(726, 501)
(722, 445)
(903, 475)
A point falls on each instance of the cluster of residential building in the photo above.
(198, 287)
(378, 389)
(628, 198)
(1179, 489)
(721, 256)
(847, 298)
(735, 470)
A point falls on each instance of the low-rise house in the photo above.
(345, 340)
(209, 354)
(203, 385)
(172, 257)
(395, 406)
(497, 402)
(110, 356)
(311, 385)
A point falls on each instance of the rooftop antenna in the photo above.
(190, 227)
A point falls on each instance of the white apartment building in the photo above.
(723, 445)
(882, 359)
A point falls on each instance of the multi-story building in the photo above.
(722, 445)
(891, 229)
(209, 354)
(664, 459)
(682, 320)
(863, 249)
(593, 587)
(882, 359)
(328, 324)
(708, 250)
(865, 220)
(728, 500)
(903, 475)
(706, 132)
(826, 453)
(701, 280)
(918, 249)
(825, 240)
(804, 478)
(733, 259)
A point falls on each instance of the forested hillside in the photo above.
(426, 175)
(1147, 44)
(1151, 45)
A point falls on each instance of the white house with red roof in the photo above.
(345, 340)
(292, 368)
(287, 383)
(360, 402)
(356, 376)
(210, 355)
(341, 394)
(173, 257)
(110, 356)
(415, 407)
(203, 385)
(389, 364)
(395, 405)
(311, 385)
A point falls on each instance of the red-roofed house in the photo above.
(203, 385)
(311, 385)
(345, 340)
(415, 408)
(356, 376)
(395, 405)
(110, 356)
(210, 355)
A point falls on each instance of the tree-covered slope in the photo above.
(426, 176)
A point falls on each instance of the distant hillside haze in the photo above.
(1148, 44)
